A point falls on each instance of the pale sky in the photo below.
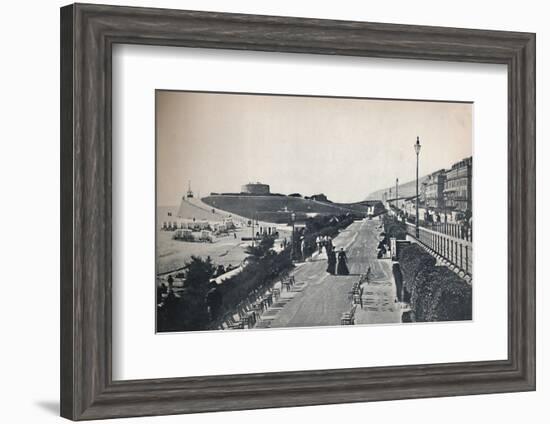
(345, 148)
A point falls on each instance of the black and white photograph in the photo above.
(274, 212)
(281, 211)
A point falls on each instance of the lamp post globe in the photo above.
(417, 146)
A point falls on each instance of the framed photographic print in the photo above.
(269, 211)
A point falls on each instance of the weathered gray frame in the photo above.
(88, 33)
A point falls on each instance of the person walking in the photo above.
(342, 267)
(331, 268)
(319, 244)
(329, 243)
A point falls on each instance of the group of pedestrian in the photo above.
(383, 246)
(337, 263)
(324, 241)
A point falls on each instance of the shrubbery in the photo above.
(260, 249)
(436, 293)
(394, 228)
(190, 311)
(441, 295)
(413, 259)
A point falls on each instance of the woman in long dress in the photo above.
(342, 267)
(331, 268)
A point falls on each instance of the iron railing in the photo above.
(456, 250)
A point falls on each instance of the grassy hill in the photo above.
(276, 208)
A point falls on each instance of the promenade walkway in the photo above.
(319, 299)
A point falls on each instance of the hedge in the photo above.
(413, 259)
(436, 293)
(398, 278)
(441, 295)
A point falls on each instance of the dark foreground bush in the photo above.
(189, 312)
(441, 295)
(436, 293)
(413, 259)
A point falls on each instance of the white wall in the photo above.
(29, 171)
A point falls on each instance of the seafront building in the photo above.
(458, 186)
(434, 189)
(443, 196)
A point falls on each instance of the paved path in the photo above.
(379, 295)
(319, 299)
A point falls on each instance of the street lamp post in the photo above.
(397, 193)
(445, 209)
(293, 219)
(253, 235)
(417, 150)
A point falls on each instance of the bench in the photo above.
(354, 290)
(267, 300)
(288, 282)
(231, 323)
(358, 297)
(348, 318)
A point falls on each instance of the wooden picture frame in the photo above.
(88, 33)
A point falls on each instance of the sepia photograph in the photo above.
(281, 211)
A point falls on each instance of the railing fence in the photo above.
(456, 250)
